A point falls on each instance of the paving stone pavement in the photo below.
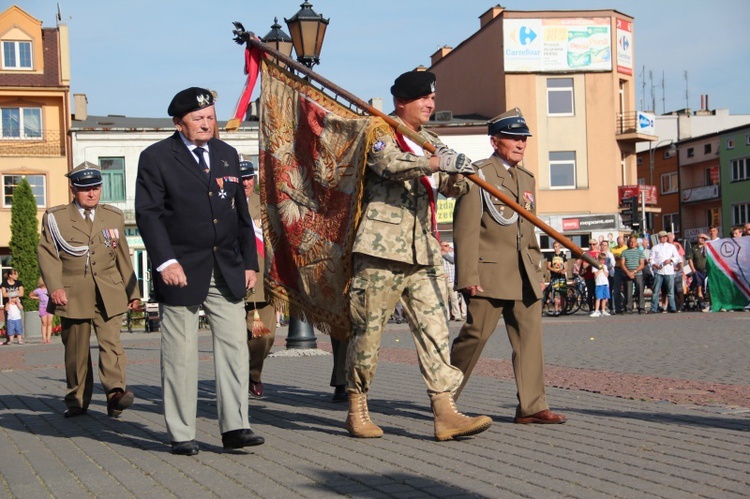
(625, 435)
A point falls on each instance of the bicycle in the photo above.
(568, 296)
(578, 298)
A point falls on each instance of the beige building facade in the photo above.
(572, 75)
(34, 113)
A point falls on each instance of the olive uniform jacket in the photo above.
(107, 270)
(502, 259)
(253, 206)
(396, 219)
(198, 220)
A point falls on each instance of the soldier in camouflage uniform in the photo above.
(397, 256)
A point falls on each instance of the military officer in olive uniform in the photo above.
(85, 263)
(258, 347)
(498, 268)
(397, 257)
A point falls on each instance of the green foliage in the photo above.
(24, 238)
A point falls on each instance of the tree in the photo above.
(24, 238)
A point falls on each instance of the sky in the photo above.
(131, 56)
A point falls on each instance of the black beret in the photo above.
(414, 84)
(510, 123)
(189, 100)
(85, 175)
(247, 169)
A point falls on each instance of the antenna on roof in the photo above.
(59, 15)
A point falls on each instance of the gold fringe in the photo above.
(259, 329)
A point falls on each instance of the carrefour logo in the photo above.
(524, 35)
(624, 42)
(644, 121)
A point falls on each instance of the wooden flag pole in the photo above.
(242, 36)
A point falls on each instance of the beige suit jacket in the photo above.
(253, 207)
(109, 269)
(499, 258)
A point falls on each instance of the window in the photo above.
(35, 181)
(690, 152)
(21, 123)
(113, 179)
(562, 170)
(671, 222)
(669, 183)
(740, 213)
(707, 149)
(560, 97)
(16, 55)
(730, 143)
(740, 169)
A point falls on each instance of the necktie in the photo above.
(87, 218)
(201, 160)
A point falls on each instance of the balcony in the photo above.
(635, 126)
(51, 143)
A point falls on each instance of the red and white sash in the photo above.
(408, 145)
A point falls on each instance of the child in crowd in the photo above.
(13, 322)
(601, 277)
(41, 294)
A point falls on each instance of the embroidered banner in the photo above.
(728, 265)
(312, 159)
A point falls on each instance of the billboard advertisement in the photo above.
(560, 44)
(624, 47)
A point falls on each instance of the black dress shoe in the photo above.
(339, 394)
(187, 448)
(237, 439)
(256, 389)
(72, 412)
(118, 402)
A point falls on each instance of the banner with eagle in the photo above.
(312, 158)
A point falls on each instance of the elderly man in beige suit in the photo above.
(498, 268)
(85, 262)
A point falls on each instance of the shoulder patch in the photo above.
(111, 208)
(57, 208)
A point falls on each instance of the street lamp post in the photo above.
(307, 31)
(278, 39)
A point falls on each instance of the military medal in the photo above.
(528, 198)
(222, 192)
(107, 241)
(224, 162)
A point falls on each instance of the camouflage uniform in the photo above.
(397, 256)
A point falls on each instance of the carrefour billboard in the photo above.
(563, 44)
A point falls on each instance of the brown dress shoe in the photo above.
(73, 412)
(256, 389)
(118, 402)
(542, 417)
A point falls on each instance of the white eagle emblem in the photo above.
(203, 100)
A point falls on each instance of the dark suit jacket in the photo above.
(487, 253)
(109, 273)
(181, 214)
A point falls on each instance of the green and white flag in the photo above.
(728, 266)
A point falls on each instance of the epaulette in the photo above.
(111, 208)
(478, 165)
(57, 208)
(430, 133)
(525, 171)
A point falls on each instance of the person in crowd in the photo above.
(85, 261)
(587, 272)
(747, 229)
(41, 294)
(557, 265)
(696, 259)
(632, 264)
(499, 269)
(737, 231)
(648, 274)
(396, 256)
(713, 232)
(618, 277)
(679, 274)
(12, 286)
(601, 276)
(260, 335)
(663, 259)
(14, 320)
(610, 261)
(192, 214)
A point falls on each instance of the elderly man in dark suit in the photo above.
(192, 213)
(85, 263)
(498, 268)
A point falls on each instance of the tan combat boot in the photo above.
(358, 420)
(449, 423)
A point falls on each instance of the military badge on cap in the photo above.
(510, 122)
(414, 84)
(247, 169)
(189, 100)
(85, 175)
